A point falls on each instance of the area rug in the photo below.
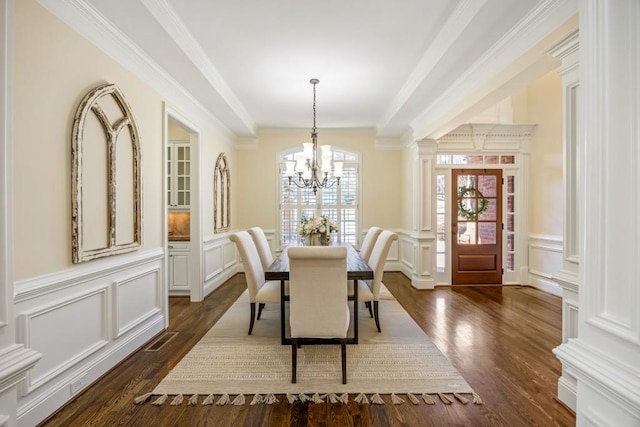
(227, 366)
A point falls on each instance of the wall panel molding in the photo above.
(39, 286)
(33, 332)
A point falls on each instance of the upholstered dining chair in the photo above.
(318, 306)
(369, 290)
(368, 242)
(260, 291)
(262, 244)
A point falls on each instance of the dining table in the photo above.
(357, 269)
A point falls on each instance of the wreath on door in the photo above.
(469, 214)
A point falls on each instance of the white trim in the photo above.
(456, 24)
(116, 330)
(522, 37)
(24, 321)
(6, 156)
(86, 20)
(39, 286)
(178, 31)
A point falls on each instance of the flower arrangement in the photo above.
(317, 229)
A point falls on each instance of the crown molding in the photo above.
(167, 17)
(522, 37)
(93, 26)
(455, 25)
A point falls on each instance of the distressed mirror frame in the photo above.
(221, 196)
(111, 132)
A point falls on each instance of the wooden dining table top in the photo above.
(357, 268)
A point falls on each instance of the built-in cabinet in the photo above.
(178, 174)
(178, 267)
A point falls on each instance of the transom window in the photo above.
(339, 202)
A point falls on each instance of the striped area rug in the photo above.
(227, 366)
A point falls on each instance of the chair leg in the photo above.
(375, 311)
(368, 305)
(294, 359)
(343, 345)
(260, 307)
(253, 316)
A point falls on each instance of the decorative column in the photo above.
(605, 356)
(423, 214)
(568, 276)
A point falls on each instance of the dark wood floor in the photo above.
(499, 338)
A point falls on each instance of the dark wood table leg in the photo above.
(282, 320)
(355, 311)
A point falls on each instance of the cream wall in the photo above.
(54, 69)
(381, 177)
(544, 107)
(407, 185)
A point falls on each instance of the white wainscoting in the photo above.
(221, 261)
(85, 321)
(545, 260)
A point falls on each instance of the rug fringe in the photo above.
(445, 399)
(396, 400)
(476, 399)
(160, 400)
(177, 401)
(304, 398)
(141, 399)
(270, 399)
(428, 399)
(361, 398)
(461, 398)
(376, 399)
(224, 400)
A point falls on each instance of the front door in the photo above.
(476, 226)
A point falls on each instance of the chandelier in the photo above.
(310, 172)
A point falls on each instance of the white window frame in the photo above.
(280, 167)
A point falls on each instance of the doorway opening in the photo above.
(182, 207)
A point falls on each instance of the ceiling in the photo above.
(409, 67)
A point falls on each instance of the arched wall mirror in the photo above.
(106, 183)
(221, 197)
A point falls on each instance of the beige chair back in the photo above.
(369, 242)
(378, 259)
(318, 292)
(262, 245)
(251, 261)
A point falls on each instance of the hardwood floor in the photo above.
(499, 338)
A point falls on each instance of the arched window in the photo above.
(340, 202)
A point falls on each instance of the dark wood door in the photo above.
(476, 226)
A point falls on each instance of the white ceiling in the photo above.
(397, 66)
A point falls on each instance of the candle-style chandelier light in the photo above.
(311, 173)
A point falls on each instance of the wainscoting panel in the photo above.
(134, 300)
(220, 261)
(545, 260)
(81, 329)
(407, 252)
(84, 321)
